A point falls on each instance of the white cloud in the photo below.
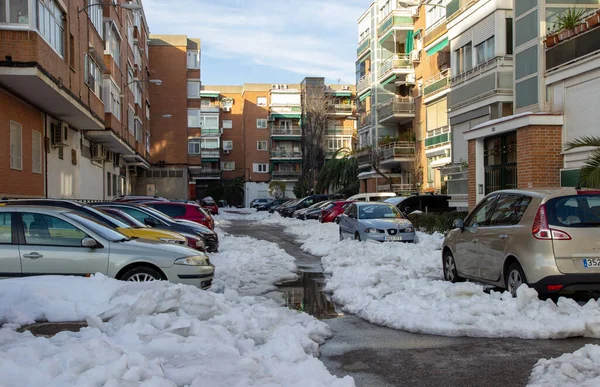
(310, 37)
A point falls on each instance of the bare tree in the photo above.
(375, 165)
(416, 167)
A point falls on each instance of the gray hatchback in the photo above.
(381, 222)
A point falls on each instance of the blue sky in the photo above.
(265, 41)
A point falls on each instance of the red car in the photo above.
(192, 212)
(210, 206)
(332, 211)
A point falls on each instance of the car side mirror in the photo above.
(89, 243)
(459, 223)
(150, 222)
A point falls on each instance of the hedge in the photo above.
(431, 223)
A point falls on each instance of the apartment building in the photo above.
(385, 82)
(73, 98)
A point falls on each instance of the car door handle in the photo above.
(33, 256)
(503, 236)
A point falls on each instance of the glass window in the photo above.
(93, 75)
(526, 29)
(136, 214)
(50, 24)
(16, 146)
(261, 123)
(227, 124)
(130, 33)
(523, 6)
(5, 228)
(480, 216)
(194, 146)
(18, 11)
(228, 144)
(193, 89)
(526, 62)
(261, 145)
(261, 101)
(193, 60)
(209, 122)
(194, 118)
(526, 93)
(574, 211)
(209, 143)
(113, 43)
(95, 13)
(173, 210)
(509, 210)
(260, 168)
(378, 211)
(463, 58)
(97, 227)
(48, 230)
(228, 165)
(484, 51)
(36, 152)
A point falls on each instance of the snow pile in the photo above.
(156, 334)
(580, 368)
(241, 214)
(401, 286)
(250, 266)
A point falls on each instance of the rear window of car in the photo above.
(574, 211)
(173, 210)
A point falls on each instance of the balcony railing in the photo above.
(343, 107)
(396, 18)
(286, 131)
(210, 153)
(286, 154)
(397, 188)
(339, 130)
(209, 171)
(212, 108)
(400, 149)
(364, 157)
(576, 48)
(437, 83)
(285, 108)
(286, 173)
(432, 34)
(396, 106)
(400, 61)
(438, 139)
(365, 119)
(363, 45)
(457, 7)
(210, 132)
(363, 83)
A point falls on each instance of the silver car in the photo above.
(376, 221)
(36, 240)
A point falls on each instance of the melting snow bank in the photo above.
(241, 214)
(580, 368)
(155, 334)
(401, 286)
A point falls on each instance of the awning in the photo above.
(136, 161)
(409, 41)
(365, 96)
(209, 95)
(111, 141)
(342, 94)
(417, 32)
(286, 115)
(390, 79)
(437, 47)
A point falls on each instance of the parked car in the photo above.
(194, 242)
(547, 239)
(375, 221)
(209, 204)
(372, 196)
(302, 214)
(305, 202)
(140, 199)
(276, 202)
(222, 204)
(106, 219)
(40, 240)
(158, 220)
(333, 210)
(424, 203)
(192, 212)
(279, 207)
(259, 202)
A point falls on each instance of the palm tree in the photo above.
(339, 173)
(233, 190)
(590, 173)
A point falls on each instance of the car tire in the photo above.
(450, 271)
(357, 236)
(141, 274)
(514, 278)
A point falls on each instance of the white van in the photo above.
(372, 197)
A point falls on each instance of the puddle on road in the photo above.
(305, 294)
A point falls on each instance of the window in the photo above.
(130, 77)
(36, 152)
(260, 168)
(437, 115)
(261, 123)
(108, 181)
(385, 9)
(193, 118)
(114, 185)
(129, 32)
(435, 13)
(137, 57)
(147, 141)
(173, 210)
(193, 89)
(16, 146)
(463, 58)
(509, 36)
(261, 101)
(194, 146)
(138, 94)
(338, 143)
(93, 75)
(261, 145)
(509, 210)
(227, 124)
(130, 120)
(48, 230)
(95, 13)
(480, 216)
(228, 165)
(5, 228)
(209, 143)
(193, 60)
(581, 211)
(14, 12)
(139, 130)
(228, 144)
(485, 51)
(111, 96)
(113, 43)
(147, 110)
(50, 24)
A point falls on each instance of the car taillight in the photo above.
(554, 288)
(541, 230)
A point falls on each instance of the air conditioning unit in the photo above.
(415, 56)
(226, 151)
(59, 134)
(226, 108)
(414, 12)
(98, 153)
(410, 79)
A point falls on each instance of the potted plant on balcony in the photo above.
(567, 21)
(551, 38)
(593, 20)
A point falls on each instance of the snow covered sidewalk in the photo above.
(580, 368)
(401, 286)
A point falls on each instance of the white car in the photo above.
(376, 221)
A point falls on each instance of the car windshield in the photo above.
(114, 222)
(96, 227)
(161, 215)
(379, 211)
(574, 211)
(126, 218)
(291, 203)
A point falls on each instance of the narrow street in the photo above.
(379, 356)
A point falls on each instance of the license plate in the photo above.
(591, 262)
(393, 238)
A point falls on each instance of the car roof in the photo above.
(544, 193)
(26, 207)
(361, 204)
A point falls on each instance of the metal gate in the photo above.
(500, 160)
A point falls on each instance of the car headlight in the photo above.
(169, 240)
(409, 229)
(369, 230)
(192, 261)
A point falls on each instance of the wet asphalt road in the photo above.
(382, 357)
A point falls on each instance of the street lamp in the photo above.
(167, 116)
(128, 6)
(156, 82)
(411, 3)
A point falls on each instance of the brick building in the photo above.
(64, 67)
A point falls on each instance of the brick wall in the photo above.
(235, 134)
(539, 158)
(251, 112)
(472, 184)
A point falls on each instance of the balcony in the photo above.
(457, 7)
(397, 64)
(363, 46)
(364, 83)
(210, 132)
(397, 152)
(365, 120)
(204, 173)
(286, 174)
(286, 133)
(286, 155)
(343, 109)
(397, 188)
(211, 108)
(364, 158)
(437, 84)
(434, 33)
(400, 19)
(210, 154)
(437, 139)
(574, 49)
(340, 130)
(489, 79)
(397, 110)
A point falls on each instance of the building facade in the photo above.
(74, 98)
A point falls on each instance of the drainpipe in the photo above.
(45, 156)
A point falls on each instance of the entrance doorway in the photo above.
(500, 160)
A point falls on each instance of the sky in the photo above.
(265, 41)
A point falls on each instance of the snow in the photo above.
(580, 368)
(401, 286)
(241, 214)
(161, 334)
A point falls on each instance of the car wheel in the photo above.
(450, 272)
(514, 278)
(357, 236)
(141, 274)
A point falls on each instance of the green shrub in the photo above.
(431, 223)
